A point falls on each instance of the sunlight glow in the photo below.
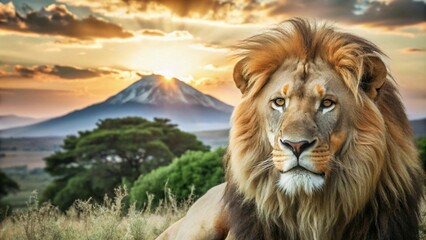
(168, 74)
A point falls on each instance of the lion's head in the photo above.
(320, 135)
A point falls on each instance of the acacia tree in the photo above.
(95, 162)
(7, 186)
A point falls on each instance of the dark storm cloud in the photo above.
(64, 72)
(57, 20)
(393, 14)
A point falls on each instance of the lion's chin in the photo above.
(299, 180)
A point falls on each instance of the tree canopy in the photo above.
(94, 162)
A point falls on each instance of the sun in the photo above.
(168, 75)
(171, 73)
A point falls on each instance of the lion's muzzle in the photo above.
(297, 147)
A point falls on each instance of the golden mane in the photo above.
(304, 40)
(380, 135)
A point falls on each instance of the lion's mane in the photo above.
(376, 198)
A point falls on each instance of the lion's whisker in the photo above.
(262, 167)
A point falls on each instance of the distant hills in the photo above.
(214, 138)
(10, 121)
(419, 127)
(152, 96)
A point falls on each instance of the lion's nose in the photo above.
(297, 147)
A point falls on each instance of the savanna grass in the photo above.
(108, 221)
(87, 220)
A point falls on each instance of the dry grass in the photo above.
(422, 228)
(107, 221)
(87, 220)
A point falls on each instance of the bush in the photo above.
(7, 185)
(421, 144)
(194, 172)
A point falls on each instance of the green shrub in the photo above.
(7, 185)
(194, 172)
(421, 144)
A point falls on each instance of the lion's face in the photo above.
(306, 107)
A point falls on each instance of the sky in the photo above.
(57, 56)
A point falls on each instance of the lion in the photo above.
(320, 145)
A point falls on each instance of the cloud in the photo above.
(75, 43)
(57, 20)
(218, 10)
(64, 72)
(212, 67)
(181, 8)
(186, 8)
(390, 14)
(152, 32)
(413, 50)
(213, 48)
(158, 34)
(393, 13)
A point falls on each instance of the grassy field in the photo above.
(31, 159)
(22, 160)
(35, 180)
(422, 229)
(31, 143)
(86, 220)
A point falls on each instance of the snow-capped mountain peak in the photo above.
(156, 90)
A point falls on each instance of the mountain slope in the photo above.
(149, 97)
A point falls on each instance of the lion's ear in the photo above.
(239, 78)
(374, 76)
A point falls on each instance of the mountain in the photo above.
(419, 127)
(214, 138)
(9, 121)
(155, 90)
(152, 96)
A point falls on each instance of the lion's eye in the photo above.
(279, 102)
(327, 103)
